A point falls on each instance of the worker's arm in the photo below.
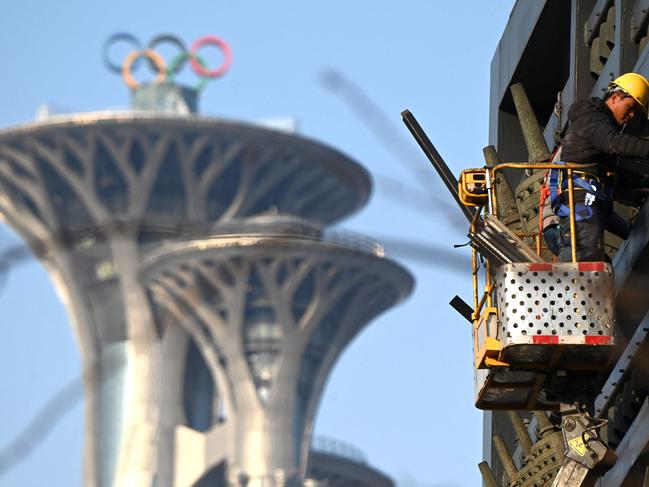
(607, 138)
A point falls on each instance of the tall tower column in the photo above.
(270, 310)
(94, 194)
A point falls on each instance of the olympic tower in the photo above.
(206, 294)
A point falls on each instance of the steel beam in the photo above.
(610, 388)
(595, 19)
(639, 19)
(634, 443)
(631, 249)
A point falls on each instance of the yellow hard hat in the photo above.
(634, 85)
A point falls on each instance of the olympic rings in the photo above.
(152, 56)
(169, 39)
(227, 56)
(114, 39)
(156, 62)
(181, 59)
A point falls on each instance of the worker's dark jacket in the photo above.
(593, 136)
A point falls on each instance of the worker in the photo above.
(595, 135)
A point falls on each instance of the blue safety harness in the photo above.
(583, 210)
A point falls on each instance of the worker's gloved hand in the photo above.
(552, 236)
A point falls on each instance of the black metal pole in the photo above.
(436, 160)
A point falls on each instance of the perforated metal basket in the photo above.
(564, 305)
(551, 317)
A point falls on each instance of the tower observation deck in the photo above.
(208, 299)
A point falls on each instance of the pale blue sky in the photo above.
(403, 391)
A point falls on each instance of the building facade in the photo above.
(561, 51)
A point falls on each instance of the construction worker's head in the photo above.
(626, 95)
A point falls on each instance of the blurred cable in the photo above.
(399, 146)
(10, 257)
(19, 448)
(24, 443)
(456, 260)
(379, 122)
(406, 194)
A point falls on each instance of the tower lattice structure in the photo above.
(207, 300)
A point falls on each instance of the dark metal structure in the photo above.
(561, 51)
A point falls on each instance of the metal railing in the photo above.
(338, 448)
(354, 240)
(492, 208)
(570, 168)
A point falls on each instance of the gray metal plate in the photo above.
(566, 301)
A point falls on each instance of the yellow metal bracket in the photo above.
(486, 346)
(492, 363)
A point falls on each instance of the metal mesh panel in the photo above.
(564, 301)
